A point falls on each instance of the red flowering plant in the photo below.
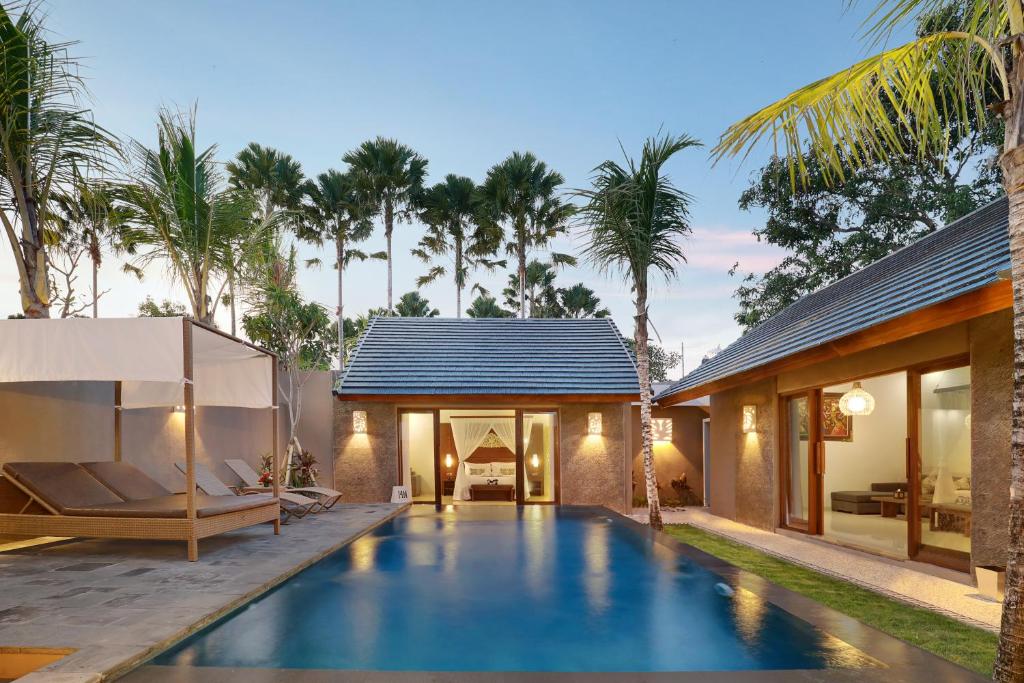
(266, 470)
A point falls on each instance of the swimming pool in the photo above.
(491, 588)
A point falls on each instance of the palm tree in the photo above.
(181, 212)
(391, 176)
(276, 181)
(45, 136)
(956, 65)
(338, 212)
(450, 210)
(91, 219)
(580, 301)
(635, 219)
(541, 293)
(413, 305)
(520, 192)
(485, 306)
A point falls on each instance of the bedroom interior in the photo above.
(476, 456)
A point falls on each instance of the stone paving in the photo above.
(942, 591)
(119, 602)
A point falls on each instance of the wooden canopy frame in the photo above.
(190, 528)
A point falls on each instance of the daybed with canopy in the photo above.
(152, 362)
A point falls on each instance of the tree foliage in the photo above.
(662, 361)
(484, 306)
(413, 305)
(149, 308)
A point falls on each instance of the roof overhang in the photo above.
(993, 297)
(487, 399)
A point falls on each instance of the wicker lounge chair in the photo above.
(327, 496)
(292, 504)
(76, 503)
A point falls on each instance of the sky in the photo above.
(465, 83)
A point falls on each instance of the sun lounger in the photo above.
(327, 496)
(292, 504)
(80, 504)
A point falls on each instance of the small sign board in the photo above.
(400, 494)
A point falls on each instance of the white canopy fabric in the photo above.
(145, 354)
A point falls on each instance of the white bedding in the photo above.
(491, 476)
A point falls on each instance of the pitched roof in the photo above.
(490, 356)
(965, 255)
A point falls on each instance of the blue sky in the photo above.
(465, 83)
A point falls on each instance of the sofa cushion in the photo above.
(173, 506)
(855, 496)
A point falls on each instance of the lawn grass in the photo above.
(969, 647)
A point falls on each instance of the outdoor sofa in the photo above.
(292, 504)
(327, 496)
(83, 501)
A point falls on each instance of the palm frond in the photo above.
(849, 114)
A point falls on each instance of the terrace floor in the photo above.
(116, 603)
(944, 591)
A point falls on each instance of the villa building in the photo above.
(875, 412)
(534, 411)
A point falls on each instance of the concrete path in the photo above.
(119, 602)
(943, 591)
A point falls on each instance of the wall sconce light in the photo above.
(534, 461)
(178, 409)
(448, 461)
(661, 429)
(359, 421)
(749, 419)
(594, 424)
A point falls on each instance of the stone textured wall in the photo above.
(991, 407)
(683, 455)
(743, 466)
(366, 465)
(595, 469)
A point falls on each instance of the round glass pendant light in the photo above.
(856, 401)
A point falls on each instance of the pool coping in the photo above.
(900, 660)
(140, 658)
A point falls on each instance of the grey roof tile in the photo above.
(965, 255)
(490, 356)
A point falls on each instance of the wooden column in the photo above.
(438, 483)
(117, 421)
(190, 440)
(520, 460)
(274, 436)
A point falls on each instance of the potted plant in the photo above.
(304, 469)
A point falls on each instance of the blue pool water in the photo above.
(506, 589)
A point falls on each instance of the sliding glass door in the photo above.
(802, 463)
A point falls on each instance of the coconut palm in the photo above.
(276, 181)
(391, 176)
(635, 220)
(92, 220)
(541, 293)
(337, 212)
(520, 193)
(580, 301)
(45, 136)
(485, 306)
(413, 305)
(180, 211)
(954, 65)
(449, 211)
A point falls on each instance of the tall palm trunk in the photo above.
(643, 362)
(459, 282)
(340, 246)
(521, 255)
(389, 225)
(95, 289)
(35, 286)
(1010, 657)
(231, 295)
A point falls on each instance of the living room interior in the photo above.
(865, 487)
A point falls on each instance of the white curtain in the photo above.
(468, 434)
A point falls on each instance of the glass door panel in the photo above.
(944, 456)
(797, 455)
(541, 458)
(417, 455)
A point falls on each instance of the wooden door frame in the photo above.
(435, 420)
(813, 525)
(556, 456)
(916, 550)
